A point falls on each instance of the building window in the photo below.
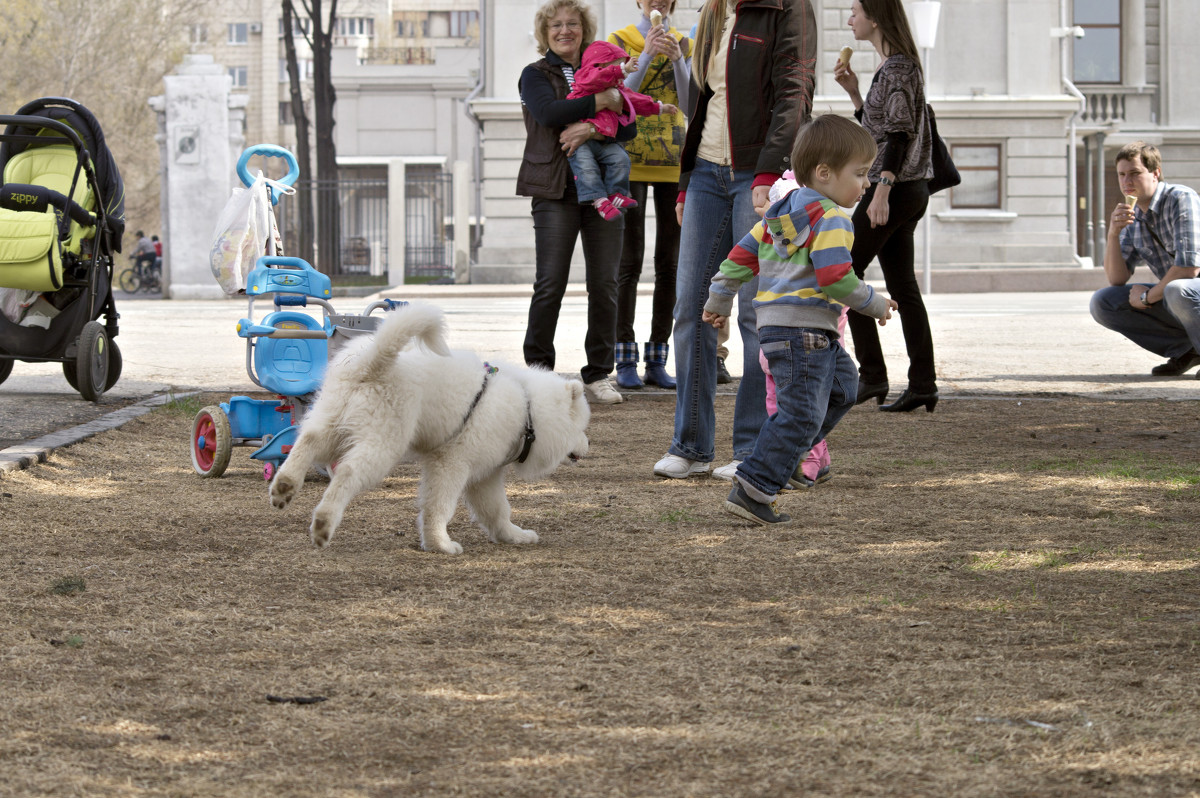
(198, 34)
(300, 27)
(356, 26)
(412, 26)
(1098, 53)
(979, 165)
(303, 68)
(464, 24)
(285, 114)
(240, 75)
(239, 33)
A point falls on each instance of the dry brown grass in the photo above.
(996, 599)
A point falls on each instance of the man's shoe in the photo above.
(1177, 365)
(672, 466)
(723, 376)
(602, 392)
(726, 471)
(743, 506)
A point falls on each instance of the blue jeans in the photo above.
(601, 169)
(718, 211)
(816, 383)
(1169, 328)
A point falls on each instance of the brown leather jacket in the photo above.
(770, 69)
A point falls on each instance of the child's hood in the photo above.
(787, 220)
(599, 53)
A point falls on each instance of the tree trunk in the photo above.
(304, 186)
(324, 97)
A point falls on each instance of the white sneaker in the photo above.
(673, 466)
(602, 392)
(726, 472)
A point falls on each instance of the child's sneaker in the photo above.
(606, 209)
(619, 200)
(743, 506)
(815, 468)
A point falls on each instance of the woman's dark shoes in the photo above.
(871, 390)
(910, 400)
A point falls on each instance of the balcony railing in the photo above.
(1115, 105)
(397, 55)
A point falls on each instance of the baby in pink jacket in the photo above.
(601, 168)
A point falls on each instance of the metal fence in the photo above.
(429, 252)
(363, 204)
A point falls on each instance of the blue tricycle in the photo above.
(286, 354)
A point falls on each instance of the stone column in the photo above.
(200, 135)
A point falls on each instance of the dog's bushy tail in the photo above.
(417, 321)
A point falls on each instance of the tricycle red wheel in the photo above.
(212, 442)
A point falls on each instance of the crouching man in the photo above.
(1157, 224)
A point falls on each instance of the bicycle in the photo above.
(142, 275)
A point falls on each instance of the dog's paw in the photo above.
(447, 547)
(283, 490)
(515, 535)
(322, 530)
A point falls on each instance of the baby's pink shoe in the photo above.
(606, 209)
(622, 201)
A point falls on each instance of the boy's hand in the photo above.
(712, 318)
(668, 108)
(888, 313)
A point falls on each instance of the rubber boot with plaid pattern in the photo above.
(656, 366)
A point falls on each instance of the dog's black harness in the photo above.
(527, 438)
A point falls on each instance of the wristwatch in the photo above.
(887, 181)
(1146, 301)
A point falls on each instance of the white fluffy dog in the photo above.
(463, 420)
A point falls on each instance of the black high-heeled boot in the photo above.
(871, 390)
(909, 400)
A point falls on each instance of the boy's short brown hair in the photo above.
(1151, 157)
(831, 140)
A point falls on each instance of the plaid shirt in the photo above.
(1166, 235)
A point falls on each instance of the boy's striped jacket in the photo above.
(801, 254)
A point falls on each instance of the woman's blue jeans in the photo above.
(816, 382)
(717, 212)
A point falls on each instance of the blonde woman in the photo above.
(554, 129)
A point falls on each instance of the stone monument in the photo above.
(200, 136)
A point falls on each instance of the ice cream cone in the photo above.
(844, 55)
(655, 17)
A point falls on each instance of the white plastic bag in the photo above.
(15, 303)
(245, 231)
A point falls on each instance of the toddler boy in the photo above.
(801, 254)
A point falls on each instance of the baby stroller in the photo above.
(62, 214)
(286, 353)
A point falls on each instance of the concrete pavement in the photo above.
(987, 345)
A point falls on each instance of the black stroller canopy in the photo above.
(83, 122)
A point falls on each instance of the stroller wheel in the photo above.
(91, 361)
(212, 442)
(115, 363)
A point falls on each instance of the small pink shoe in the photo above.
(815, 468)
(606, 209)
(622, 201)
